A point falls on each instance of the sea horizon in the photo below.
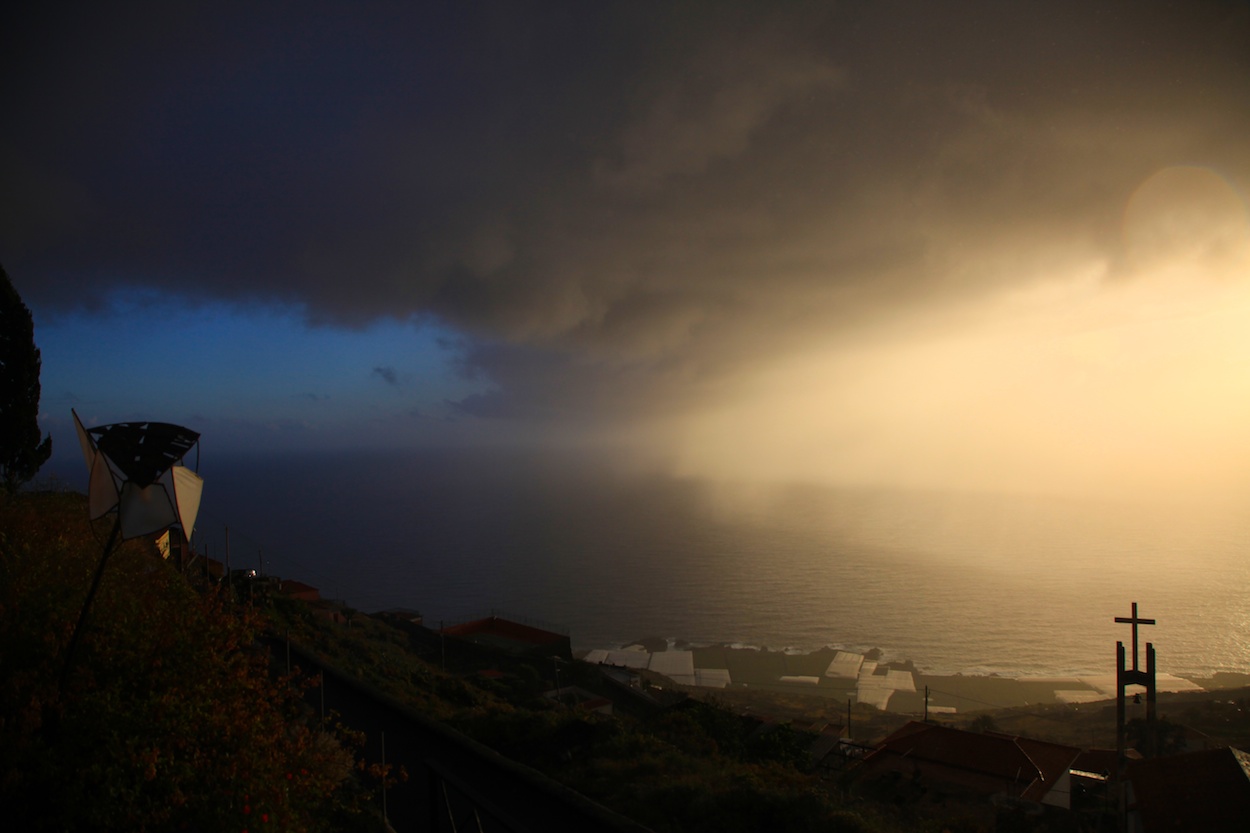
(953, 582)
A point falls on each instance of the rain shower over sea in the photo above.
(957, 583)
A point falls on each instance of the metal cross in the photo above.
(1134, 621)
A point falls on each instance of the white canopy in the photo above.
(141, 481)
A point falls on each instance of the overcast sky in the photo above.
(973, 245)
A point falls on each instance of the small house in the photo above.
(975, 767)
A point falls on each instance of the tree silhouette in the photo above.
(21, 451)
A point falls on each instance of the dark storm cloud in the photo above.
(616, 202)
(386, 374)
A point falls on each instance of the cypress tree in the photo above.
(21, 451)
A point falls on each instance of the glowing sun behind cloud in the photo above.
(1189, 220)
(1129, 380)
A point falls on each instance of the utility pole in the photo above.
(385, 820)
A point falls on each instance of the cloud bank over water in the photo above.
(989, 246)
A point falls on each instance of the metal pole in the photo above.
(384, 818)
(86, 605)
(435, 797)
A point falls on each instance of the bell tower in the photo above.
(1125, 677)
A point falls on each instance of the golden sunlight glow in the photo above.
(1189, 220)
(1125, 379)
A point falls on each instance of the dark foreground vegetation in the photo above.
(169, 718)
(174, 717)
(670, 763)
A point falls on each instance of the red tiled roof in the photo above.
(291, 587)
(1206, 790)
(494, 626)
(986, 761)
(1100, 761)
(1052, 760)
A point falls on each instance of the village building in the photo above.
(1208, 790)
(512, 638)
(978, 768)
(298, 590)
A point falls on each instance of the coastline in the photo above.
(867, 677)
(894, 686)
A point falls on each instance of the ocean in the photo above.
(957, 583)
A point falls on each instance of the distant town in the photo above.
(946, 743)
